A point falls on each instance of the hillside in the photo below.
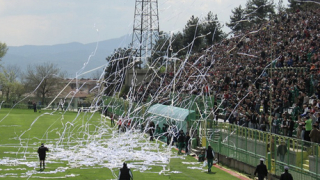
(70, 57)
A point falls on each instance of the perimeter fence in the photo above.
(249, 145)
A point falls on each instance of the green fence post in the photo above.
(317, 159)
(246, 131)
(269, 161)
(255, 143)
(288, 148)
(219, 145)
(274, 153)
(301, 165)
(228, 145)
(237, 139)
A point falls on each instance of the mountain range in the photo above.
(74, 58)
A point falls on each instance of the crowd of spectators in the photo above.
(264, 78)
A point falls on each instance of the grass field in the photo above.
(83, 146)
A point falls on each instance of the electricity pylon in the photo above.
(145, 29)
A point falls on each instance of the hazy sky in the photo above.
(47, 22)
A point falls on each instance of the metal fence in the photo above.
(287, 70)
(249, 145)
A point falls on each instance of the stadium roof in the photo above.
(171, 112)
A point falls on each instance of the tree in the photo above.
(177, 44)
(212, 29)
(3, 50)
(44, 79)
(238, 19)
(168, 45)
(280, 6)
(18, 90)
(161, 48)
(293, 5)
(115, 73)
(12, 89)
(259, 10)
(191, 31)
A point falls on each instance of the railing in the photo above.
(249, 145)
(287, 69)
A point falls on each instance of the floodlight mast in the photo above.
(145, 29)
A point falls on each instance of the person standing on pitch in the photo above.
(180, 141)
(187, 142)
(42, 155)
(261, 170)
(125, 173)
(112, 120)
(286, 175)
(210, 157)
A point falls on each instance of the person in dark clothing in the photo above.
(282, 150)
(34, 107)
(112, 120)
(42, 151)
(181, 141)
(286, 175)
(254, 120)
(261, 170)
(201, 156)
(168, 135)
(210, 157)
(290, 127)
(125, 173)
(151, 130)
(187, 139)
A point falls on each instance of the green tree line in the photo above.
(42, 80)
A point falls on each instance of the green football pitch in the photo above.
(71, 137)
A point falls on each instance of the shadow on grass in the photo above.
(210, 172)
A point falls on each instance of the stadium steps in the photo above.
(273, 166)
(196, 151)
(306, 164)
(216, 137)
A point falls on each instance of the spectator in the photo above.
(282, 150)
(290, 127)
(315, 134)
(284, 126)
(315, 138)
(300, 128)
(275, 125)
(308, 128)
(262, 122)
(201, 156)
